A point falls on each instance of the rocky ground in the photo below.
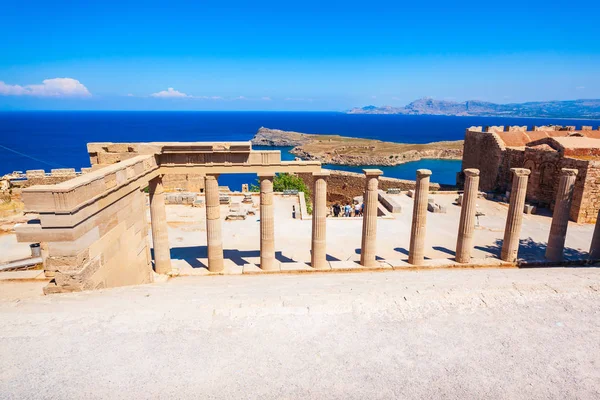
(340, 150)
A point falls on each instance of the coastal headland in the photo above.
(341, 150)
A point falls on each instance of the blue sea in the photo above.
(57, 139)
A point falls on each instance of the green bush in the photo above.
(287, 181)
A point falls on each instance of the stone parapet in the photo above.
(70, 195)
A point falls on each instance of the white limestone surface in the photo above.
(485, 333)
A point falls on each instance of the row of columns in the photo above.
(464, 244)
(466, 228)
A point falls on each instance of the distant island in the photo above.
(340, 150)
(540, 109)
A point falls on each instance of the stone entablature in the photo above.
(181, 158)
(544, 151)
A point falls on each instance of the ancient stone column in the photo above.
(514, 219)
(560, 217)
(466, 226)
(595, 246)
(318, 259)
(158, 221)
(416, 253)
(213, 223)
(368, 248)
(267, 226)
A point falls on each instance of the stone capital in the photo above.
(266, 175)
(211, 176)
(469, 172)
(324, 173)
(521, 171)
(569, 172)
(422, 173)
(373, 172)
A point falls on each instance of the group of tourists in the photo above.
(348, 210)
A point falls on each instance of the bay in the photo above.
(57, 139)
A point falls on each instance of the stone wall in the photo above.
(41, 177)
(545, 164)
(511, 158)
(483, 151)
(186, 182)
(343, 186)
(590, 198)
(94, 227)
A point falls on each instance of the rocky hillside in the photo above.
(546, 109)
(276, 137)
(340, 150)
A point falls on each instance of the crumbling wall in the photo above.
(41, 177)
(484, 151)
(511, 158)
(343, 186)
(545, 164)
(581, 207)
(590, 197)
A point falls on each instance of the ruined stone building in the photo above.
(543, 150)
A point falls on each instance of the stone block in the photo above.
(109, 158)
(118, 148)
(35, 173)
(436, 208)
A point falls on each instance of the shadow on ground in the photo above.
(192, 254)
(531, 251)
(357, 251)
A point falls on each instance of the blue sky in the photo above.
(293, 55)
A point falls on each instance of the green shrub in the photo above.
(287, 181)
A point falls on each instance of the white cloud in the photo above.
(266, 98)
(56, 87)
(580, 87)
(170, 92)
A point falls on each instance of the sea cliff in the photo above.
(340, 150)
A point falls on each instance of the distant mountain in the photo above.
(546, 109)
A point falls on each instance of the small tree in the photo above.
(287, 181)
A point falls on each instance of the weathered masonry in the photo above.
(545, 151)
(94, 226)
